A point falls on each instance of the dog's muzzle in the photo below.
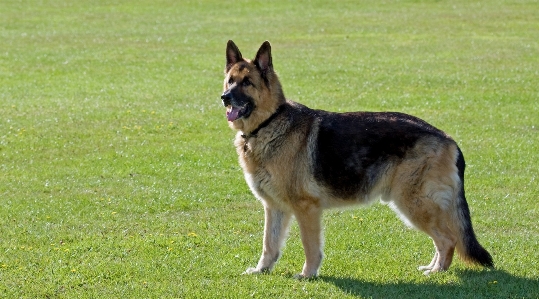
(226, 97)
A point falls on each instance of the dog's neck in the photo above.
(264, 123)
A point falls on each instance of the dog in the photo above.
(299, 161)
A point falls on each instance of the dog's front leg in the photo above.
(275, 231)
(310, 225)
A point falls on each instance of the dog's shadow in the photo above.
(472, 284)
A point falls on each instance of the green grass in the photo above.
(118, 177)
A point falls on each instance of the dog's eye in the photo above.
(230, 81)
(246, 82)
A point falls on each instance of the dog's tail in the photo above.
(468, 247)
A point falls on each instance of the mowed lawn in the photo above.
(118, 177)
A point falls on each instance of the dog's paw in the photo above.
(255, 271)
(429, 271)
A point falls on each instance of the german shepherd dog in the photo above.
(298, 161)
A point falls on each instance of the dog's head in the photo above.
(252, 91)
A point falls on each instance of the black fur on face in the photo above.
(239, 104)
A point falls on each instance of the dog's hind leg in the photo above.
(424, 193)
(424, 212)
(431, 219)
(309, 217)
(444, 243)
(432, 263)
(276, 227)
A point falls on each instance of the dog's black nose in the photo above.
(227, 98)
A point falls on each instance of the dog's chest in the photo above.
(268, 188)
(261, 164)
(256, 152)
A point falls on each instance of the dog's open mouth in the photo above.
(233, 113)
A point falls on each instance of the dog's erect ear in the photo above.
(263, 58)
(233, 55)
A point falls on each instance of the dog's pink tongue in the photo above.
(232, 113)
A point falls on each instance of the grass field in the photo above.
(118, 178)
